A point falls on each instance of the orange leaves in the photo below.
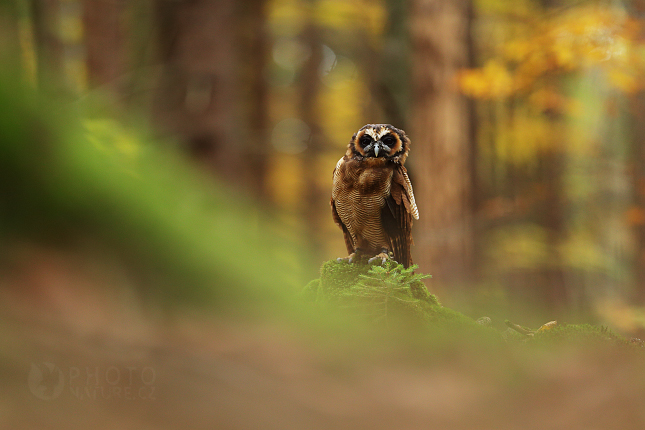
(549, 45)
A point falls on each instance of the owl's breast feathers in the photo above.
(373, 202)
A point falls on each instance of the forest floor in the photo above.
(79, 360)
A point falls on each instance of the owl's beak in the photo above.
(377, 148)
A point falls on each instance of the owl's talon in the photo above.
(351, 258)
(379, 259)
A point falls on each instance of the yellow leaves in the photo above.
(623, 80)
(519, 8)
(588, 36)
(582, 38)
(491, 81)
(288, 17)
(564, 53)
(525, 136)
(342, 109)
(517, 50)
(341, 15)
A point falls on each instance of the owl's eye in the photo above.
(365, 140)
(388, 139)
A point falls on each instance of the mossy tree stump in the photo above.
(380, 292)
(392, 292)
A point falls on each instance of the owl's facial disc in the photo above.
(378, 141)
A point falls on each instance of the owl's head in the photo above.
(380, 141)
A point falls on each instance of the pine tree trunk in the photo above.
(316, 200)
(440, 133)
(255, 45)
(198, 92)
(49, 48)
(105, 43)
(637, 109)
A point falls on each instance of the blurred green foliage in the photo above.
(67, 179)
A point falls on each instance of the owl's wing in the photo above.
(348, 238)
(397, 216)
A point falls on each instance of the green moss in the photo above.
(338, 277)
(391, 293)
(585, 333)
(382, 293)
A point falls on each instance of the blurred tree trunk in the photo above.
(198, 92)
(390, 87)
(49, 47)
(638, 186)
(213, 92)
(440, 132)
(256, 44)
(10, 47)
(316, 203)
(105, 43)
(551, 276)
(637, 109)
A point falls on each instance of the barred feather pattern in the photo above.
(360, 194)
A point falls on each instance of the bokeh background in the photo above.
(525, 118)
(160, 158)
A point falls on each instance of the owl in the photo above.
(372, 199)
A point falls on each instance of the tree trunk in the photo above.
(105, 43)
(637, 109)
(10, 48)
(316, 202)
(551, 276)
(638, 187)
(197, 95)
(256, 43)
(440, 133)
(49, 47)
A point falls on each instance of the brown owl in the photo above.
(372, 199)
